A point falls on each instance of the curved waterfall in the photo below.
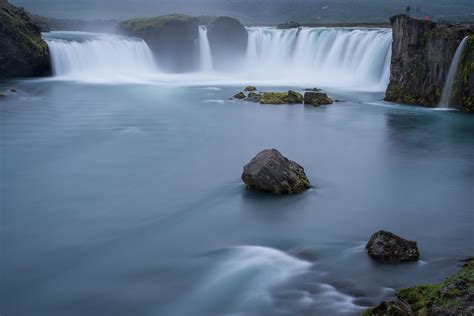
(346, 58)
(99, 57)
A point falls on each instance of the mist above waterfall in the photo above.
(349, 58)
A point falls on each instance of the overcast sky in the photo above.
(265, 10)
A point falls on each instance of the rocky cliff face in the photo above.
(23, 53)
(172, 38)
(422, 52)
(228, 39)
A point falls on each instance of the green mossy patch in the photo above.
(142, 24)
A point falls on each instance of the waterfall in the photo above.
(447, 96)
(98, 57)
(322, 55)
(205, 56)
(345, 58)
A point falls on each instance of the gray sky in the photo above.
(253, 10)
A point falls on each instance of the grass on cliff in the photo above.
(145, 23)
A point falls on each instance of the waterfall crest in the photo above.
(447, 95)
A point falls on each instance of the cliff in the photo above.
(422, 52)
(23, 53)
(173, 39)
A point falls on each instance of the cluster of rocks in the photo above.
(313, 97)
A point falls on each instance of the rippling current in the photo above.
(126, 199)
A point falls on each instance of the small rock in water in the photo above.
(317, 98)
(313, 90)
(240, 96)
(12, 90)
(387, 247)
(393, 308)
(254, 97)
(250, 88)
(271, 172)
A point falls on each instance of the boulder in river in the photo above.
(317, 98)
(290, 97)
(387, 247)
(271, 172)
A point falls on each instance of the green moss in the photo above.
(141, 24)
(466, 70)
(447, 295)
(273, 98)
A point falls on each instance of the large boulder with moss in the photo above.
(422, 53)
(317, 98)
(173, 39)
(271, 172)
(451, 297)
(387, 247)
(228, 40)
(23, 53)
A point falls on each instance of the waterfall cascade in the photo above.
(205, 57)
(99, 57)
(308, 56)
(447, 95)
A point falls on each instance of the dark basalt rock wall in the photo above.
(23, 53)
(172, 38)
(422, 52)
(228, 39)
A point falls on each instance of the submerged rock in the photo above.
(250, 88)
(240, 96)
(317, 98)
(452, 297)
(271, 172)
(313, 89)
(387, 247)
(288, 25)
(23, 52)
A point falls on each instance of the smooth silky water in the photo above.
(125, 198)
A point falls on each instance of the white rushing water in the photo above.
(99, 57)
(447, 96)
(205, 55)
(348, 58)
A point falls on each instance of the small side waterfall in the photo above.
(447, 96)
(205, 56)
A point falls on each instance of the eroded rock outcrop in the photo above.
(422, 52)
(452, 297)
(172, 38)
(387, 247)
(271, 172)
(23, 53)
(228, 40)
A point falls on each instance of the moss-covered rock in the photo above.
(254, 97)
(251, 88)
(271, 172)
(228, 40)
(239, 96)
(317, 98)
(465, 78)
(172, 38)
(23, 52)
(290, 97)
(453, 296)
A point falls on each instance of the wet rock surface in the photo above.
(317, 98)
(385, 246)
(270, 171)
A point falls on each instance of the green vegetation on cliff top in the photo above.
(145, 23)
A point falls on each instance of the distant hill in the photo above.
(255, 11)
